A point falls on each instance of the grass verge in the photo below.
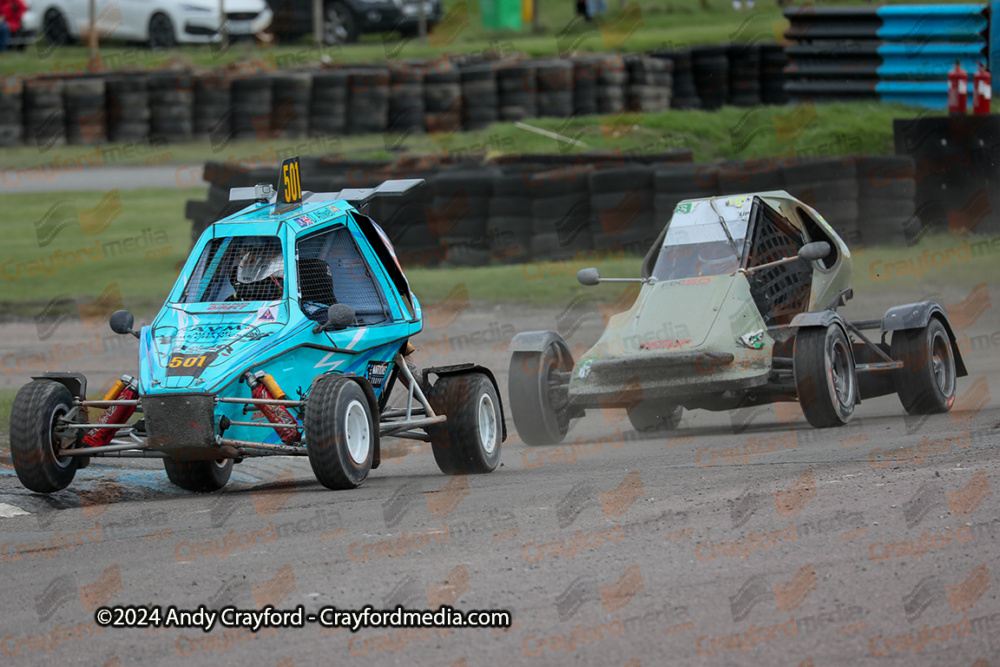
(728, 133)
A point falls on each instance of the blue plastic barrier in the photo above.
(901, 53)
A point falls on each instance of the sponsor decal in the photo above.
(377, 370)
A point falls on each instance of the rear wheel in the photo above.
(535, 379)
(926, 382)
(656, 417)
(338, 25)
(469, 442)
(34, 438)
(824, 376)
(55, 29)
(339, 432)
(199, 476)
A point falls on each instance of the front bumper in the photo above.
(623, 381)
(202, 29)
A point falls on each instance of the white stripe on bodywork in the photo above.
(357, 337)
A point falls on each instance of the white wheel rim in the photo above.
(357, 432)
(487, 423)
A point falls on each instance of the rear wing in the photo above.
(290, 191)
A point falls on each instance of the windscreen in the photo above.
(696, 243)
(238, 268)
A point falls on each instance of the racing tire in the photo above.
(199, 476)
(657, 418)
(160, 32)
(926, 383)
(825, 378)
(537, 420)
(340, 433)
(469, 442)
(33, 441)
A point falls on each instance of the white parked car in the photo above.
(160, 23)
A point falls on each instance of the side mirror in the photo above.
(810, 252)
(339, 316)
(121, 322)
(589, 277)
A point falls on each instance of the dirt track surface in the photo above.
(872, 544)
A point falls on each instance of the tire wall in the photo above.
(441, 96)
(548, 207)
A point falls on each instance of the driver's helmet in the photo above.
(260, 264)
(716, 258)
(260, 275)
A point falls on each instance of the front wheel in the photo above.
(469, 442)
(161, 32)
(199, 476)
(536, 378)
(340, 434)
(35, 437)
(926, 382)
(824, 376)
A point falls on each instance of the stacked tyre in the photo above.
(586, 75)
(509, 223)
(479, 90)
(555, 88)
(251, 107)
(290, 94)
(459, 211)
(650, 84)
(44, 116)
(86, 116)
(612, 79)
(171, 105)
(518, 90)
(674, 183)
(772, 74)
(406, 102)
(560, 211)
(744, 74)
(368, 105)
(212, 117)
(711, 75)
(127, 101)
(887, 212)
(11, 127)
(830, 185)
(443, 101)
(684, 94)
(328, 105)
(622, 202)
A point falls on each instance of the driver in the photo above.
(716, 258)
(260, 275)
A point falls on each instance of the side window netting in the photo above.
(332, 270)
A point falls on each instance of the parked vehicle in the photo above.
(159, 23)
(345, 20)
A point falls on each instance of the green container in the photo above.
(501, 14)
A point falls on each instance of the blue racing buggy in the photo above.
(284, 334)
